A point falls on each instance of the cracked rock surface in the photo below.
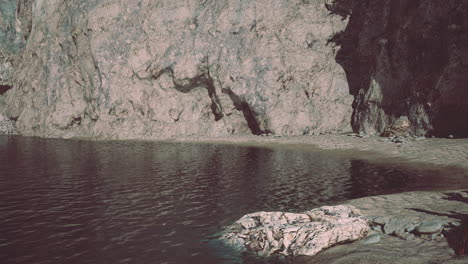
(153, 69)
(306, 234)
(414, 227)
(7, 127)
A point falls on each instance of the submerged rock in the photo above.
(307, 233)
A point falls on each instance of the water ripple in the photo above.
(143, 202)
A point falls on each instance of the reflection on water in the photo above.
(146, 202)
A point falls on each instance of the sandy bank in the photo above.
(449, 208)
(436, 151)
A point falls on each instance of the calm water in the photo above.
(145, 202)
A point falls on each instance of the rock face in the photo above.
(8, 42)
(13, 36)
(148, 69)
(308, 233)
(7, 126)
(152, 69)
(406, 58)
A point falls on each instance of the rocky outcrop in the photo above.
(148, 69)
(15, 25)
(6, 72)
(406, 59)
(268, 233)
(414, 227)
(152, 69)
(7, 43)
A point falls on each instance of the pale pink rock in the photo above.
(306, 233)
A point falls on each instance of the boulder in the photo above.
(307, 233)
(429, 227)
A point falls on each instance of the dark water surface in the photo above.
(70, 201)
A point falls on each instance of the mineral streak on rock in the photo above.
(307, 233)
(152, 69)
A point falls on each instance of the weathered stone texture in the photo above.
(15, 25)
(149, 69)
(7, 127)
(152, 69)
(269, 233)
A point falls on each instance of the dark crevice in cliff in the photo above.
(203, 80)
(241, 105)
(404, 53)
(4, 88)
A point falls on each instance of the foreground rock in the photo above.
(308, 233)
(407, 228)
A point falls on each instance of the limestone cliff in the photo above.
(147, 69)
(152, 69)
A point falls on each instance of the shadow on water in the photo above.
(109, 202)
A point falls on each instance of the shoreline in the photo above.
(448, 207)
(394, 236)
(439, 153)
(444, 153)
(447, 155)
(397, 244)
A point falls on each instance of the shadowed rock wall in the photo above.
(152, 69)
(406, 58)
